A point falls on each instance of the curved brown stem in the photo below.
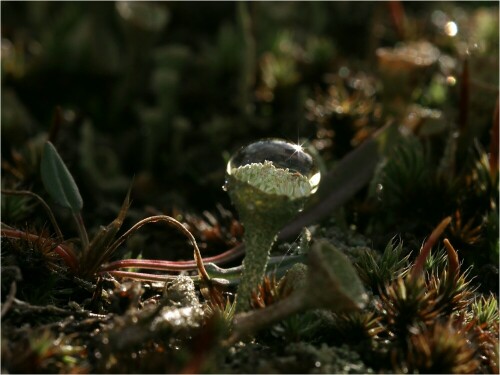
(171, 221)
(174, 265)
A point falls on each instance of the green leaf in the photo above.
(58, 181)
(332, 279)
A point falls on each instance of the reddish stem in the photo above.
(221, 258)
(165, 265)
(418, 266)
(140, 276)
(67, 255)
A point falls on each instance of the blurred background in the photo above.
(164, 92)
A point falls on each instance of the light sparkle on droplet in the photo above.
(451, 28)
(281, 154)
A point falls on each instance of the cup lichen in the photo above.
(267, 188)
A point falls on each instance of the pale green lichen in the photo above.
(267, 195)
(272, 180)
(263, 211)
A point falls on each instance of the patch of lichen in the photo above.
(272, 180)
(262, 208)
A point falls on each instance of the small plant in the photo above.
(377, 272)
(89, 259)
(268, 182)
(441, 348)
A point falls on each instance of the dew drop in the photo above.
(451, 28)
(282, 154)
(451, 81)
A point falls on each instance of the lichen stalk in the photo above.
(258, 242)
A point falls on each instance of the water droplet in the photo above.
(317, 364)
(451, 81)
(281, 154)
(451, 28)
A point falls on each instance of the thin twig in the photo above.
(51, 309)
(9, 300)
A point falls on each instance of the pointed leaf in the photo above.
(58, 181)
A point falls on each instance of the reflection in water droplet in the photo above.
(282, 154)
